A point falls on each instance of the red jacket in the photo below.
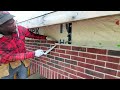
(12, 49)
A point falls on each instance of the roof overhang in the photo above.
(58, 17)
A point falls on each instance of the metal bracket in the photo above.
(61, 28)
(35, 30)
(69, 30)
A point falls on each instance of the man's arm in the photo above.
(29, 34)
(6, 58)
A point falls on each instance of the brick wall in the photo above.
(72, 62)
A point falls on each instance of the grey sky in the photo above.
(24, 15)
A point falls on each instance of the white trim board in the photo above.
(63, 17)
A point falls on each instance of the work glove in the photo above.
(39, 53)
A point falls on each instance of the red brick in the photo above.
(73, 76)
(43, 41)
(111, 65)
(60, 71)
(67, 65)
(90, 61)
(39, 63)
(96, 78)
(47, 73)
(109, 59)
(51, 42)
(79, 48)
(42, 57)
(58, 46)
(113, 59)
(41, 45)
(97, 74)
(32, 46)
(37, 68)
(100, 69)
(118, 74)
(61, 63)
(94, 73)
(77, 68)
(103, 58)
(84, 75)
(62, 68)
(44, 48)
(110, 77)
(33, 61)
(118, 67)
(43, 61)
(111, 72)
(113, 53)
(36, 47)
(65, 56)
(55, 75)
(80, 69)
(54, 54)
(75, 48)
(73, 67)
(65, 47)
(87, 55)
(46, 59)
(66, 73)
(71, 62)
(86, 65)
(43, 72)
(94, 50)
(70, 71)
(80, 77)
(99, 63)
(78, 58)
(66, 78)
(60, 51)
(62, 77)
(28, 40)
(52, 75)
(33, 68)
(72, 52)
(40, 70)
(50, 64)
(59, 76)
(54, 69)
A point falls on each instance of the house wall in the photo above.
(93, 54)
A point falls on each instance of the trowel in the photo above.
(50, 49)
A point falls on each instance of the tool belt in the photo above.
(4, 68)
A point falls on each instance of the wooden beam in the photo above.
(63, 17)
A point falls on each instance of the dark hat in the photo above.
(5, 16)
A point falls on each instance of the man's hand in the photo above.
(39, 53)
